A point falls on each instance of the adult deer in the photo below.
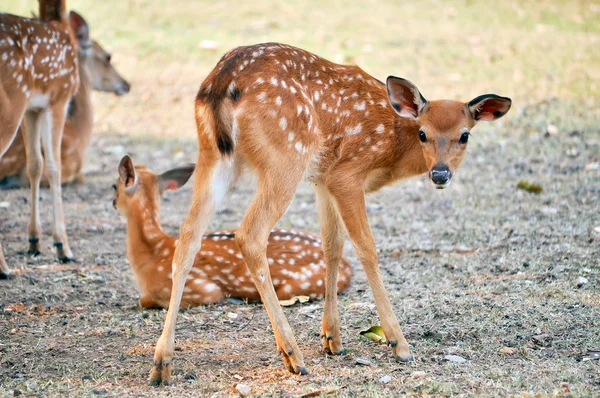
(38, 77)
(295, 258)
(95, 73)
(286, 113)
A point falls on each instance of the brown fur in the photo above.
(298, 115)
(38, 76)
(95, 72)
(295, 257)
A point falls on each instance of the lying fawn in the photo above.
(38, 77)
(95, 73)
(295, 257)
(286, 113)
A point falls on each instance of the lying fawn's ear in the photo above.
(405, 97)
(489, 107)
(80, 27)
(127, 173)
(175, 178)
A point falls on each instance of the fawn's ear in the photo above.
(127, 173)
(489, 107)
(405, 97)
(175, 178)
(80, 27)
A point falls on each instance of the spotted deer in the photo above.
(38, 77)
(285, 114)
(95, 73)
(295, 257)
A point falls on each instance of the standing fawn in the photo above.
(295, 257)
(287, 114)
(95, 73)
(38, 77)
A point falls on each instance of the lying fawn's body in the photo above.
(95, 73)
(38, 77)
(295, 257)
(286, 113)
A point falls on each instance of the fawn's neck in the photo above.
(145, 236)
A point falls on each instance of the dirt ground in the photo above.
(470, 270)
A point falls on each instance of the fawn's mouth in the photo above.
(442, 186)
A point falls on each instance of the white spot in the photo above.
(360, 106)
(283, 122)
(278, 100)
(160, 268)
(209, 287)
(380, 129)
(287, 288)
(262, 97)
(354, 130)
(274, 81)
(291, 136)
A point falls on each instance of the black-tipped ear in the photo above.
(176, 178)
(127, 172)
(405, 97)
(80, 27)
(489, 107)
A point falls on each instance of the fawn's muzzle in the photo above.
(440, 175)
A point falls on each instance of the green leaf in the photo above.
(374, 333)
(294, 300)
(529, 187)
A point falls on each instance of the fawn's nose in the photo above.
(440, 175)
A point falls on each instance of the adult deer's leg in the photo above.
(274, 194)
(211, 173)
(332, 235)
(53, 120)
(351, 205)
(11, 116)
(35, 124)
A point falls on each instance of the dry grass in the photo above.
(470, 270)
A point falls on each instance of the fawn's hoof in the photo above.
(6, 275)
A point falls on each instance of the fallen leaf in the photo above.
(529, 187)
(374, 333)
(455, 358)
(321, 392)
(294, 300)
(509, 350)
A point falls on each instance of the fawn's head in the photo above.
(444, 125)
(141, 185)
(95, 60)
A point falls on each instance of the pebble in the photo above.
(364, 362)
(385, 379)
(243, 389)
(582, 280)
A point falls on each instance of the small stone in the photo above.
(455, 358)
(395, 253)
(364, 362)
(582, 280)
(190, 376)
(6, 205)
(551, 130)
(385, 379)
(243, 389)
(232, 315)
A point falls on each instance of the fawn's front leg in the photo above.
(352, 208)
(332, 235)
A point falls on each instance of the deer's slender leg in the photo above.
(210, 172)
(53, 120)
(332, 235)
(274, 194)
(350, 201)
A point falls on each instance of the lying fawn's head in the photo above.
(444, 126)
(142, 184)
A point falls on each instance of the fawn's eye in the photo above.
(464, 138)
(114, 187)
(422, 136)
